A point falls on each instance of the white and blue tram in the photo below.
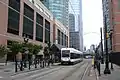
(71, 56)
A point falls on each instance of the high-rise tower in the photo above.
(59, 8)
(75, 7)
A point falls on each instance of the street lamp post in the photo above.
(26, 52)
(107, 70)
(111, 48)
(102, 59)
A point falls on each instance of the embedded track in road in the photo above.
(63, 67)
(85, 72)
(47, 71)
(72, 71)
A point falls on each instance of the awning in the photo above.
(57, 46)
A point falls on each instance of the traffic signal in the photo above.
(107, 35)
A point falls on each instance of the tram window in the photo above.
(65, 55)
(72, 56)
(65, 51)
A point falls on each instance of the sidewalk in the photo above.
(10, 68)
(93, 73)
(115, 74)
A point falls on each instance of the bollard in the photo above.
(29, 64)
(15, 65)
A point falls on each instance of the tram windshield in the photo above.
(65, 53)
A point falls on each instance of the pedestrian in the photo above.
(48, 62)
(19, 59)
(98, 67)
(93, 61)
(98, 64)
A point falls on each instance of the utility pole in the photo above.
(107, 70)
(102, 59)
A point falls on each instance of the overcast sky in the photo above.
(92, 21)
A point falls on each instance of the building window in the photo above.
(39, 19)
(39, 27)
(67, 41)
(39, 33)
(29, 12)
(13, 22)
(58, 33)
(28, 23)
(28, 27)
(15, 4)
(64, 40)
(13, 17)
(62, 37)
(47, 31)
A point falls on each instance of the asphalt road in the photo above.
(60, 72)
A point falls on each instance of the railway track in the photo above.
(47, 71)
(72, 71)
(85, 72)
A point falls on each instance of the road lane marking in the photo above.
(1, 77)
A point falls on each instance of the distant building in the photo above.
(111, 15)
(92, 47)
(84, 48)
(71, 23)
(74, 40)
(88, 51)
(46, 3)
(77, 6)
(30, 18)
(60, 34)
(59, 8)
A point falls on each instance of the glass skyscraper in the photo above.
(75, 7)
(59, 8)
(71, 23)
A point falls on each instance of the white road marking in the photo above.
(1, 77)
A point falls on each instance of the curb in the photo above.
(20, 72)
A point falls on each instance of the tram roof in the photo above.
(71, 50)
